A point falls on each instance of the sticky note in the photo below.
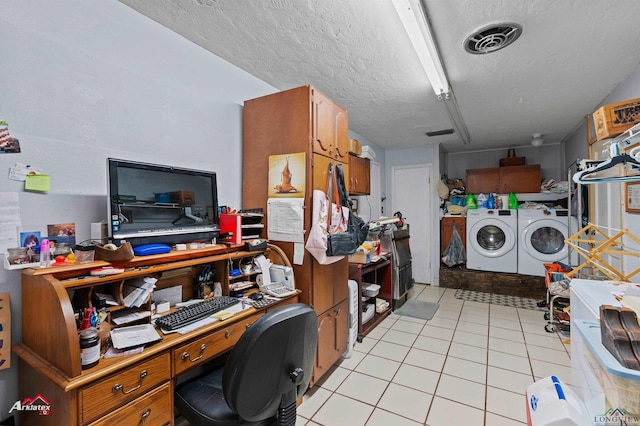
(41, 183)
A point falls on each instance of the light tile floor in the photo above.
(468, 365)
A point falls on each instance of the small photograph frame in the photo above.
(632, 197)
(62, 233)
(30, 239)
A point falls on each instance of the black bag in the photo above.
(344, 243)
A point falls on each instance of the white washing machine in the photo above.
(492, 240)
(541, 235)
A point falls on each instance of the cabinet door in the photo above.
(330, 284)
(359, 175)
(483, 180)
(333, 329)
(520, 179)
(341, 118)
(447, 230)
(324, 125)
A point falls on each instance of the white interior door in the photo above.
(412, 197)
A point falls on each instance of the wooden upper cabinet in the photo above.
(359, 176)
(520, 179)
(330, 132)
(483, 180)
(342, 132)
(502, 180)
(323, 125)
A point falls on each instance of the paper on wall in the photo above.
(285, 219)
(9, 220)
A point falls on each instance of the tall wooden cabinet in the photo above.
(295, 121)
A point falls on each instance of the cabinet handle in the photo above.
(146, 414)
(185, 355)
(227, 333)
(118, 387)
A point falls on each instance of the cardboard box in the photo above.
(183, 197)
(362, 256)
(612, 119)
(355, 147)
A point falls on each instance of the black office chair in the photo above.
(266, 372)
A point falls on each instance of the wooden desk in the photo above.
(380, 273)
(132, 389)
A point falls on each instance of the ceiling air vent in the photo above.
(439, 133)
(491, 38)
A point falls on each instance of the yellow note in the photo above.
(40, 183)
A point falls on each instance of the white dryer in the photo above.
(492, 240)
(541, 236)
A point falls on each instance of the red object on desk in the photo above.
(231, 224)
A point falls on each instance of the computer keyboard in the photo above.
(197, 311)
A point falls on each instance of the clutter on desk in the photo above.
(134, 335)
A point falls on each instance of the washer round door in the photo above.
(492, 237)
(544, 240)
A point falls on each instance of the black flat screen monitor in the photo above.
(151, 203)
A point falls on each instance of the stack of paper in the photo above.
(136, 292)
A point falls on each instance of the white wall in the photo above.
(83, 81)
(616, 216)
(550, 157)
(611, 216)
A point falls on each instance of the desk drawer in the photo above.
(154, 408)
(123, 386)
(209, 346)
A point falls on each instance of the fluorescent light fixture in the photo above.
(414, 19)
(415, 24)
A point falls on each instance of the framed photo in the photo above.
(30, 239)
(632, 197)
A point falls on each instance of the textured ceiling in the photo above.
(571, 55)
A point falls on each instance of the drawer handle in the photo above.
(118, 387)
(227, 333)
(146, 414)
(185, 355)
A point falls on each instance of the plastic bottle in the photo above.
(45, 254)
(471, 202)
(491, 201)
(513, 201)
(482, 201)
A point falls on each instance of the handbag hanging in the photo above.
(321, 210)
(343, 242)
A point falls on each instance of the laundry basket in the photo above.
(557, 285)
